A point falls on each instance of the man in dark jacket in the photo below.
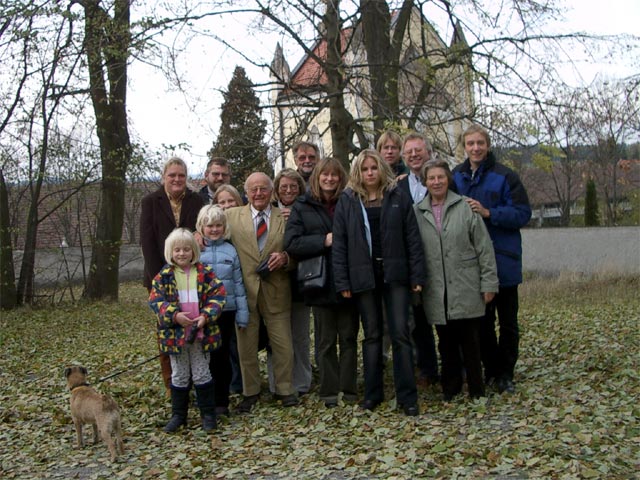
(218, 173)
(497, 194)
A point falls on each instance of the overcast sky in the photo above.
(163, 117)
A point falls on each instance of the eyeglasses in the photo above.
(288, 188)
(259, 189)
(220, 174)
(414, 151)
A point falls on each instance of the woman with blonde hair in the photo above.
(377, 260)
(227, 196)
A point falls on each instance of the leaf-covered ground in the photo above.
(575, 413)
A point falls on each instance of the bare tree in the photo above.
(41, 38)
(559, 134)
(612, 117)
(10, 100)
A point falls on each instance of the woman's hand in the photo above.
(328, 240)
(346, 293)
(416, 288)
(488, 296)
(285, 211)
(199, 239)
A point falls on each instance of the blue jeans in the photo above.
(395, 299)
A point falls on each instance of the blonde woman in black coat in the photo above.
(377, 260)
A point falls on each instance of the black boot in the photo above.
(207, 405)
(179, 409)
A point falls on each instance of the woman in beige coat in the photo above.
(461, 278)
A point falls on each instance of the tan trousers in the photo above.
(279, 330)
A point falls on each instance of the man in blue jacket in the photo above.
(497, 194)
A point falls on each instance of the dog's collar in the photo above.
(85, 384)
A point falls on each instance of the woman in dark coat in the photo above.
(309, 234)
(377, 260)
(172, 206)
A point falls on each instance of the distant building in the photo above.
(443, 116)
(545, 187)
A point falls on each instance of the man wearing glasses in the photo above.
(257, 232)
(305, 155)
(218, 173)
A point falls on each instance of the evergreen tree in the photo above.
(591, 205)
(242, 131)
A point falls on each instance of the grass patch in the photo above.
(575, 413)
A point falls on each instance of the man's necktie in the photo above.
(261, 231)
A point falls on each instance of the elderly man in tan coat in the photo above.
(257, 231)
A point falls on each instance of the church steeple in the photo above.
(458, 37)
(280, 71)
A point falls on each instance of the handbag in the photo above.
(312, 273)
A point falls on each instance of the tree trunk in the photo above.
(107, 41)
(7, 272)
(383, 58)
(341, 121)
(25, 282)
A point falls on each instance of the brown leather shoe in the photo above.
(247, 403)
(287, 400)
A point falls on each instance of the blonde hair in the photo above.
(212, 214)
(475, 128)
(356, 183)
(181, 236)
(389, 135)
(174, 161)
(231, 190)
(291, 174)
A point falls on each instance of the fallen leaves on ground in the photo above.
(575, 413)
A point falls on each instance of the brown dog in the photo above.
(89, 407)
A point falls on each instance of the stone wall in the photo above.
(546, 251)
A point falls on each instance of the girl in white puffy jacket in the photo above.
(221, 255)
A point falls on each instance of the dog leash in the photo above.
(129, 368)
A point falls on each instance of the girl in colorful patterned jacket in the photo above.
(222, 257)
(188, 299)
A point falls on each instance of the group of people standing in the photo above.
(405, 242)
